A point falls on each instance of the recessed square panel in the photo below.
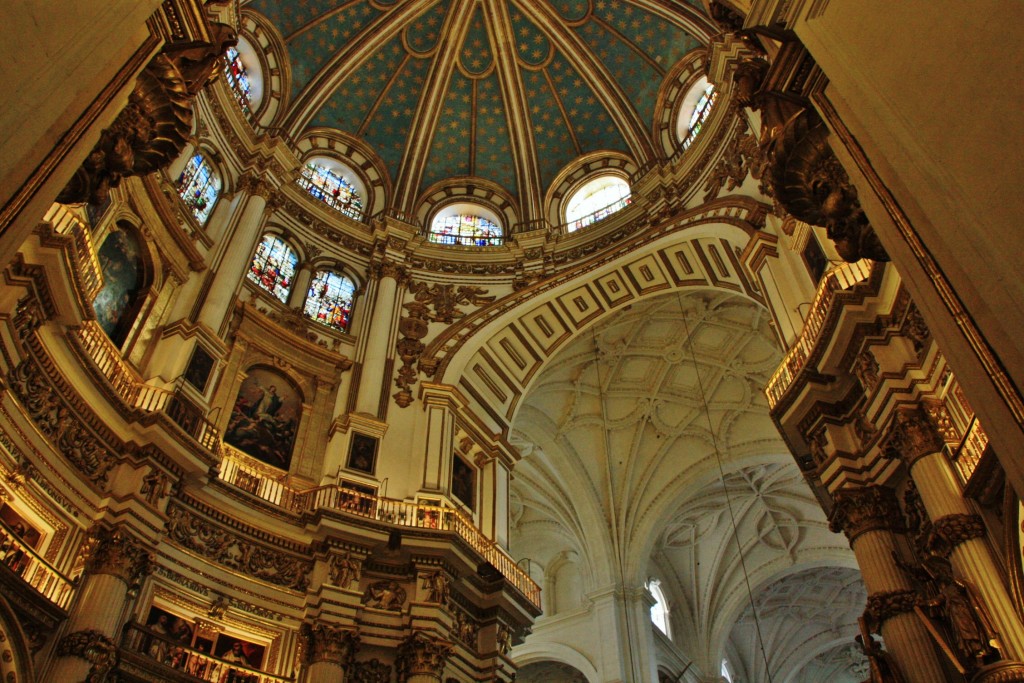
(614, 289)
(547, 327)
(684, 265)
(580, 305)
(647, 275)
(510, 348)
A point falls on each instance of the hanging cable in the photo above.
(725, 490)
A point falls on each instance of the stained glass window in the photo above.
(329, 300)
(332, 188)
(596, 199)
(273, 266)
(238, 79)
(466, 229)
(198, 187)
(700, 114)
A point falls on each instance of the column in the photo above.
(117, 563)
(378, 338)
(624, 616)
(178, 165)
(421, 658)
(303, 276)
(329, 651)
(957, 531)
(235, 259)
(869, 516)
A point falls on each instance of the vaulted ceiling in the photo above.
(508, 91)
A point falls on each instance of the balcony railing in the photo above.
(24, 561)
(85, 267)
(838, 279)
(174, 660)
(136, 394)
(601, 213)
(239, 471)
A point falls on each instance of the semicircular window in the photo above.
(595, 200)
(467, 225)
(695, 110)
(199, 187)
(333, 184)
(273, 267)
(244, 75)
(329, 301)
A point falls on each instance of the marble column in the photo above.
(870, 518)
(300, 287)
(235, 260)
(177, 166)
(957, 531)
(421, 658)
(372, 382)
(116, 565)
(329, 651)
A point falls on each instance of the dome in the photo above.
(505, 92)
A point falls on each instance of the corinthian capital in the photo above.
(422, 655)
(118, 553)
(912, 435)
(867, 508)
(329, 643)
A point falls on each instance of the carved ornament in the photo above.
(741, 157)
(953, 530)
(329, 643)
(152, 129)
(866, 508)
(465, 629)
(444, 300)
(912, 435)
(438, 587)
(373, 671)
(344, 570)
(387, 595)
(93, 647)
(413, 328)
(422, 655)
(219, 545)
(884, 606)
(118, 553)
(865, 368)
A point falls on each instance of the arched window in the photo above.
(694, 112)
(466, 224)
(199, 186)
(596, 199)
(726, 673)
(117, 304)
(659, 610)
(329, 300)
(273, 266)
(334, 185)
(244, 76)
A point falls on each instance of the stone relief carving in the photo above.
(465, 629)
(741, 157)
(329, 643)
(55, 420)
(93, 647)
(444, 300)
(372, 671)
(387, 595)
(230, 550)
(424, 655)
(344, 570)
(438, 587)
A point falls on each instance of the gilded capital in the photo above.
(911, 436)
(423, 655)
(118, 553)
(329, 643)
(867, 508)
(388, 268)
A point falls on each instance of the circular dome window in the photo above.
(596, 199)
(466, 225)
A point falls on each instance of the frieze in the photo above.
(741, 157)
(388, 595)
(41, 482)
(230, 550)
(344, 570)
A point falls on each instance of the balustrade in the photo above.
(24, 561)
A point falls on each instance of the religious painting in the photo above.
(265, 418)
(362, 453)
(238, 651)
(121, 264)
(200, 365)
(463, 482)
(20, 526)
(94, 212)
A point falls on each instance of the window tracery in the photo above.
(199, 187)
(329, 300)
(273, 267)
